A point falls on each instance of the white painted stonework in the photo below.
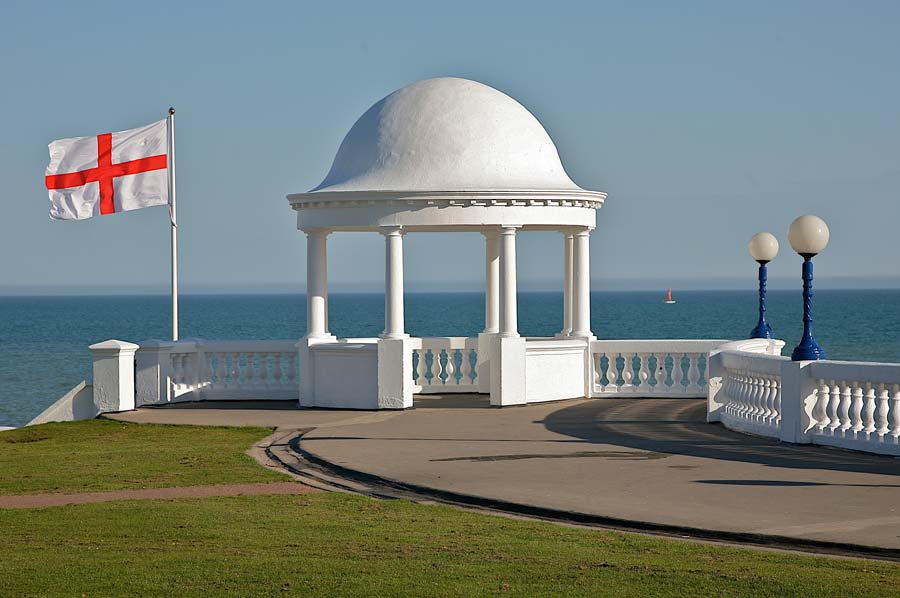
(448, 155)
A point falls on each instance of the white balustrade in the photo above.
(664, 368)
(854, 405)
(227, 370)
(857, 405)
(445, 364)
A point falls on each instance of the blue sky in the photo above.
(704, 121)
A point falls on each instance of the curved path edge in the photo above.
(383, 487)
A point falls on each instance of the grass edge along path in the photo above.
(100, 455)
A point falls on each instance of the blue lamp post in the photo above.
(763, 248)
(808, 236)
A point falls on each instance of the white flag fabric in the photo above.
(108, 173)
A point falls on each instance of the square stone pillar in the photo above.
(113, 375)
(395, 373)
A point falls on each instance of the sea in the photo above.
(44, 340)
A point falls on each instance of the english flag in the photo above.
(108, 173)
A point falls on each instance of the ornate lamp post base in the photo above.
(808, 349)
(763, 329)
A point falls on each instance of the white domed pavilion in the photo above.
(443, 155)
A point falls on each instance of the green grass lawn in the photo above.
(109, 455)
(333, 544)
(336, 544)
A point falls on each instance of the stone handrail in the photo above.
(445, 364)
(663, 368)
(853, 405)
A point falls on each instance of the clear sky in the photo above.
(704, 121)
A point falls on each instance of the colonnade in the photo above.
(501, 306)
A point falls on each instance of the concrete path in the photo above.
(643, 460)
(31, 501)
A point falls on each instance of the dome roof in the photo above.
(445, 134)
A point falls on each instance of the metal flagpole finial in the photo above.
(171, 110)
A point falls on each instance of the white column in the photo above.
(316, 283)
(393, 283)
(581, 284)
(568, 249)
(491, 282)
(509, 317)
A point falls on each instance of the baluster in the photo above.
(693, 372)
(644, 371)
(598, 369)
(835, 420)
(612, 371)
(419, 370)
(894, 418)
(868, 414)
(235, 377)
(767, 402)
(759, 398)
(747, 395)
(820, 410)
(739, 394)
(292, 368)
(884, 403)
(627, 369)
(734, 404)
(677, 372)
(662, 372)
(263, 370)
(776, 385)
(220, 370)
(702, 375)
(658, 374)
(277, 372)
(465, 367)
(844, 407)
(430, 368)
(436, 366)
(728, 389)
(450, 368)
(856, 407)
(248, 370)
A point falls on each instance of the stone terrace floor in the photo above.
(644, 460)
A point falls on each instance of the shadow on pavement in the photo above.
(678, 427)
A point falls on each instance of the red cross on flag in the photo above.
(108, 173)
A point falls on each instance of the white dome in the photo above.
(446, 134)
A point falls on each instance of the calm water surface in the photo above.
(43, 340)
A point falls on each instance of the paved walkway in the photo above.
(31, 501)
(645, 460)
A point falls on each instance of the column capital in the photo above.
(581, 231)
(392, 231)
(508, 229)
(316, 232)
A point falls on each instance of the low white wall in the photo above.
(75, 405)
(554, 369)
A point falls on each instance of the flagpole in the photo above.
(173, 221)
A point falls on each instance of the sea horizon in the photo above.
(44, 339)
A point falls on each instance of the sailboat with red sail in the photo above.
(669, 299)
